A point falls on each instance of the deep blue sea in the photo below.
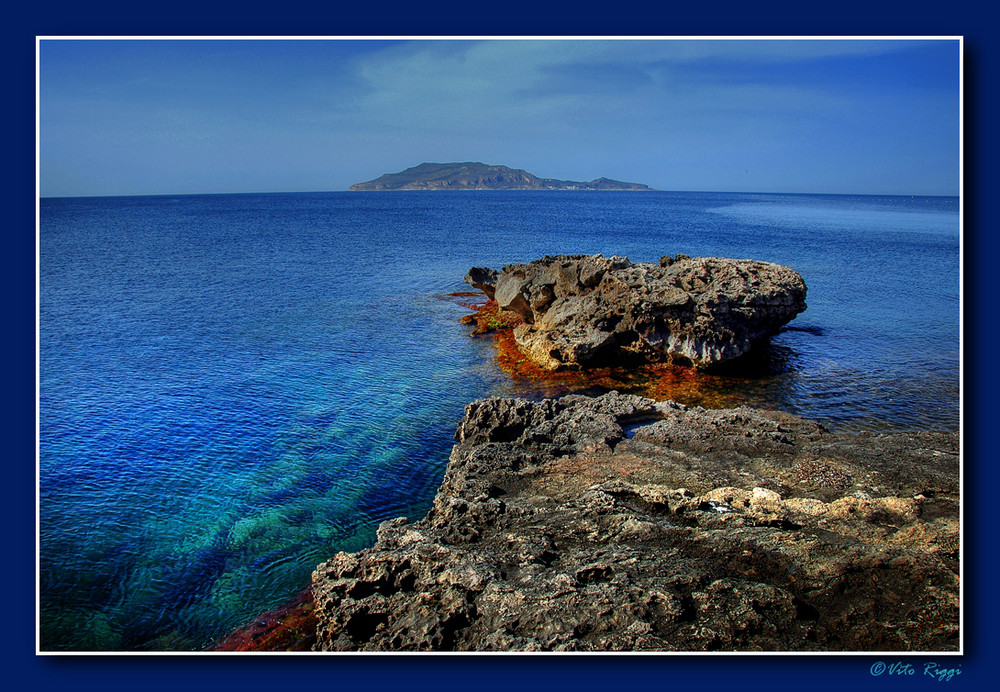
(235, 387)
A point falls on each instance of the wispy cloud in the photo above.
(631, 96)
(517, 83)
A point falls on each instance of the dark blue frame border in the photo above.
(783, 18)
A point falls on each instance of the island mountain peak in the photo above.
(473, 175)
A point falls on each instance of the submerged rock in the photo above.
(580, 311)
(618, 523)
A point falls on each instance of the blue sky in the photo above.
(209, 116)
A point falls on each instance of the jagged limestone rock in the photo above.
(619, 523)
(588, 310)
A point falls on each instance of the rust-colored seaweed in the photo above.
(489, 318)
(291, 627)
(659, 381)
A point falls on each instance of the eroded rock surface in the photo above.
(586, 310)
(618, 523)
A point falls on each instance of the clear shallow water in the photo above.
(235, 387)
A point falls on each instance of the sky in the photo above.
(154, 116)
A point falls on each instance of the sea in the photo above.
(233, 388)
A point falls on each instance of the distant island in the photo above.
(481, 176)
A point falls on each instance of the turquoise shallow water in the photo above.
(234, 387)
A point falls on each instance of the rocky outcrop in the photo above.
(618, 523)
(580, 311)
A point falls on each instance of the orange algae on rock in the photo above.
(291, 627)
(488, 317)
(659, 381)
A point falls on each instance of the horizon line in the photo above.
(40, 197)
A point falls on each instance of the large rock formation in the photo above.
(580, 311)
(617, 523)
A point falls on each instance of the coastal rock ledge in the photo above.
(619, 523)
(580, 311)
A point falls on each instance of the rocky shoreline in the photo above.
(619, 523)
(623, 523)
